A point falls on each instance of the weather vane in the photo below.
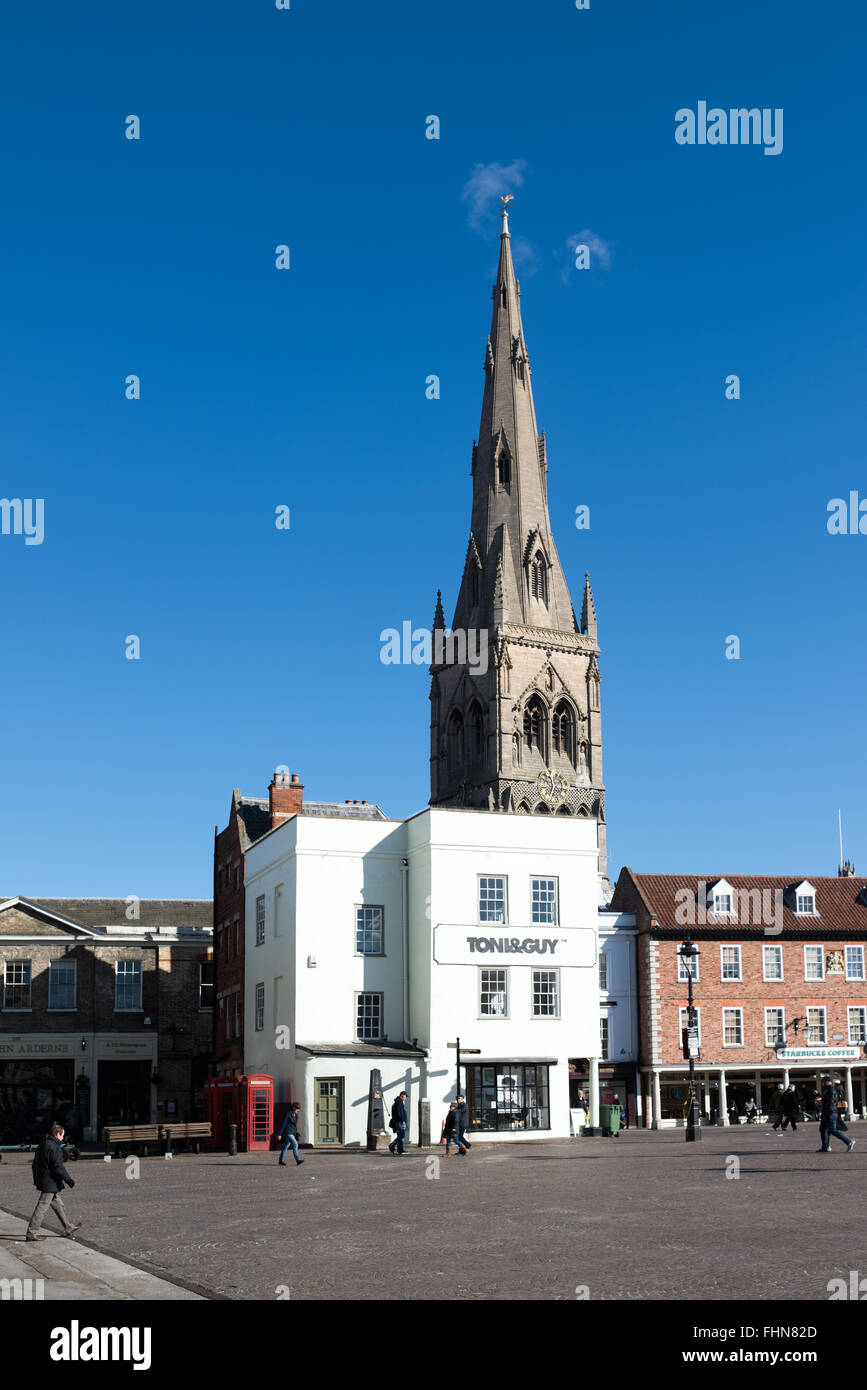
(506, 199)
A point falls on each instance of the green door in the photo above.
(329, 1110)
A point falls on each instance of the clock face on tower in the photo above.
(553, 788)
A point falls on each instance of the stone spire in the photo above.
(515, 716)
(510, 493)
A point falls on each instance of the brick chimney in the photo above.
(284, 797)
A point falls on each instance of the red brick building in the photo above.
(780, 987)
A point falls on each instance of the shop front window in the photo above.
(508, 1096)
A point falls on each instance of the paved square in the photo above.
(644, 1216)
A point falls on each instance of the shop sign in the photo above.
(818, 1054)
(478, 945)
(40, 1049)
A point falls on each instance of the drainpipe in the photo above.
(404, 897)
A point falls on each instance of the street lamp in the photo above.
(688, 954)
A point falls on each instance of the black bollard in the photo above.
(233, 1141)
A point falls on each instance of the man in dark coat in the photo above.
(289, 1134)
(400, 1125)
(828, 1124)
(791, 1108)
(49, 1175)
(463, 1116)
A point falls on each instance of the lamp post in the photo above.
(688, 954)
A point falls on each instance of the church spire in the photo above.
(510, 524)
(515, 719)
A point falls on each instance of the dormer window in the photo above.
(721, 899)
(804, 895)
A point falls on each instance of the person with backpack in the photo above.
(400, 1125)
(828, 1124)
(50, 1175)
(463, 1118)
(450, 1130)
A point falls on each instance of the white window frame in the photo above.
(64, 1008)
(545, 878)
(603, 962)
(860, 950)
(773, 979)
(683, 973)
(812, 946)
(487, 878)
(369, 994)
(856, 1009)
(260, 920)
(118, 974)
(682, 1014)
(260, 1007)
(722, 911)
(722, 964)
(542, 970)
(817, 1009)
(207, 1008)
(804, 911)
(733, 1009)
(18, 1008)
(493, 970)
(775, 1009)
(370, 907)
(604, 1038)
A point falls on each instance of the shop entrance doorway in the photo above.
(328, 1121)
(123, 1094)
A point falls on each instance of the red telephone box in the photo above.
(255, 1111)
(220, 1108)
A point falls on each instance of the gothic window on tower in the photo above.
(476, 735)
(564, 731)
(456, 743)
(504, 470)
(535, 727)
(539, 578)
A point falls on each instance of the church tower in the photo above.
(515, 718)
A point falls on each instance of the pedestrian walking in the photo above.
(450, 1130)
(400, 1125)
(463, 1116)
(791, 1108)
(775, 1107)
(289, 1133)
(828, 1124)
(50, 1175)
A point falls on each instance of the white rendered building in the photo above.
(377, 944)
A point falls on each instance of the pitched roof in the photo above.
(841, 903)
(111, 912)
(255, 814)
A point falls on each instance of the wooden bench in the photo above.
(130, 1134)
(191, 1131)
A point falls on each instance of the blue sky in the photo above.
(306, 388)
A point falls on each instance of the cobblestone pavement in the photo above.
(644, 1216)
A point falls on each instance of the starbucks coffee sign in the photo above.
(818, 1054)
